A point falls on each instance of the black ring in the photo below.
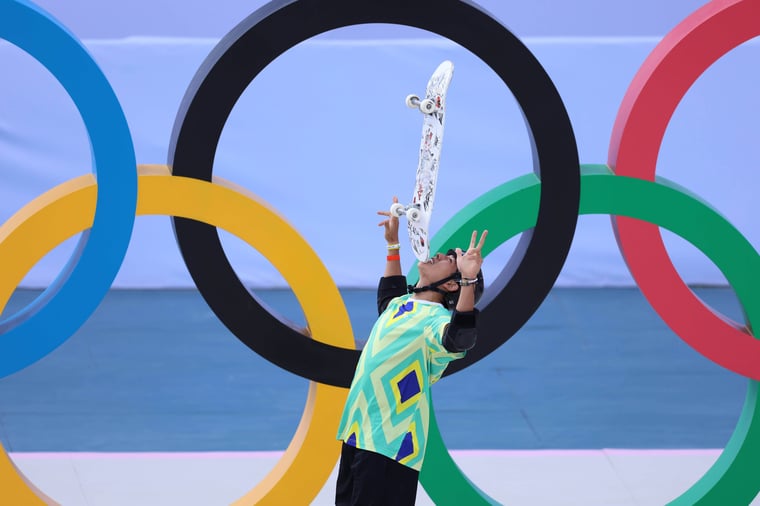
(273, 29)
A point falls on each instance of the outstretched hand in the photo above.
(390, 224)
(469, 262)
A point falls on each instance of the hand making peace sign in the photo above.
(469, 262)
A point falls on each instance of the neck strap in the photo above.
(433, 287)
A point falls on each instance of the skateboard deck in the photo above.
(433, 108)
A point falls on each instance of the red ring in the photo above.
(652, 97)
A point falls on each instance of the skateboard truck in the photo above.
(411, 211)
(426, 106)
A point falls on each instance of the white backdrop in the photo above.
(324, 127)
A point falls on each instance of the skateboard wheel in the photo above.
(397, 210)
(412, 101)
(413, 214)
(427, 106)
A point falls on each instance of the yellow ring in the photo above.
(69, 208)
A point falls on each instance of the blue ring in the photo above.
(55, 315)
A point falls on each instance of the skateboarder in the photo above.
(420, 330)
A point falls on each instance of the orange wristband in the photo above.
(393, 257)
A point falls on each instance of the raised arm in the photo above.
(461, 333)
(393, 260)
(393, 283)
(468, 264)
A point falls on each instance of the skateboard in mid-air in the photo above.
(433, 108)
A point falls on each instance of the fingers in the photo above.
(388, 213)
(472, 239)
(482, 239)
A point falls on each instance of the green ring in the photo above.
(511, 208)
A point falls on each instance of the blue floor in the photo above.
(156, 371)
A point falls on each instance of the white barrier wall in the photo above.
(323, 136)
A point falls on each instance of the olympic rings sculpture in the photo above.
(542, 206)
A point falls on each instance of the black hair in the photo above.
(450, 299)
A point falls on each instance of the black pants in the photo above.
(368, 478)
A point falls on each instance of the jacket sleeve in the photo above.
(388, 289)
(461, 333)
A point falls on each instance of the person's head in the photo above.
(440, 275)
